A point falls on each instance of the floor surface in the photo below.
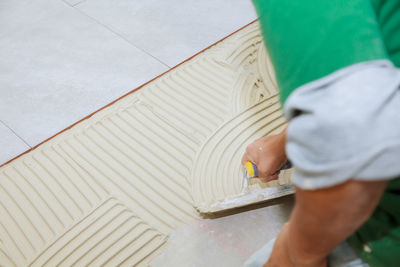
(62, 60)
(114, 187)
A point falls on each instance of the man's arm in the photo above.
(322, 219)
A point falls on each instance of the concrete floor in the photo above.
(228, 239)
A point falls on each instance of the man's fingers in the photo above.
(274, 177)
(270, 178)
(248, 157)
(267, 169)
(250, 154)
(244, 159)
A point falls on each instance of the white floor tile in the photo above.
(10, 144)
(58, 65)
(171, 30)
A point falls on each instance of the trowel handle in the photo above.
(250, 169)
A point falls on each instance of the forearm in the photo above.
(322, 219)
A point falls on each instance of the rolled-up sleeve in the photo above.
(346, 126)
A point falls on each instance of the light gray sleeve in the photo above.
(346, 125)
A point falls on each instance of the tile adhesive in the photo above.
(110, 189)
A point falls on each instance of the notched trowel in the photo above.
(248, 196)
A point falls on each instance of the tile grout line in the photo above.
(80, 2)
(72, 5)
(15, 133)
(116, 33)
(65, 2)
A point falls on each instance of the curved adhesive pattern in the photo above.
(217, 173)
(255, 80)
(109, 190)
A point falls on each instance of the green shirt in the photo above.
(308, 40)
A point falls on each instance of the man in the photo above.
(336, 64)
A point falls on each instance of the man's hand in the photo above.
(268, 154)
